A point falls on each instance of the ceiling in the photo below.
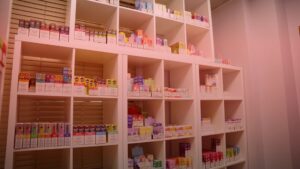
(217, 3)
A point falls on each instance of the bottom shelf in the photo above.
(47, 159)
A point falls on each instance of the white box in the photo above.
(100, 137)
(67, 89)
(44, 34)
(78, 139)
(54, 35)
(112, 137)
(54, 141)
(49, 87)
(39, 87)
(79, 35)
(23, 31)
(23, 86)
(58, 88)
(79, 90)
(34, 32)
(64, 37)
(90, 139)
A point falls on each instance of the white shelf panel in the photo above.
(196, 28)
(234, 131)
(95, 145)
(133, 19)
(210, 133)
(43, 41)
(95, 97)
(177, 99)
(178, 138)
(231, 97)
(42, 148)
(42, 94)
(166, 19)
(203, 97)
(179, 58)
(235, 162)
(145, 141)
(145, 98)
(92, 46)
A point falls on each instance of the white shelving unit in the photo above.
(114, 61)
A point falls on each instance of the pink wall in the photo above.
(4, 18)
(257, 30)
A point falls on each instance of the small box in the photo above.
(34, 135)
(41, 135)
(47, 135)
(54, 32)
(26, 135)
(19, 135)
(61, 134)
(100, 134)
(44, 31)
(34, 32)
(78, 135)
(58, 88)
(67, 89)
(54, 135)
(89, 135)
(67, 134)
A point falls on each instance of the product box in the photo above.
(44, 31)
(54, 33)
(67, 89)
(40, 82)
(23, 84)
(47, 135)
(78, 135)
(61, 134)
(34, 135)
(58, 86)
(19, 135)
(23, 29)
(64, 33)
(49, 86)
(41, 135)
(67, 134)
(54, 135)
(34, 30)
(26, 135)
(89, 135)
(32, 83)
(79, 88)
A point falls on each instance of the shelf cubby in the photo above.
(177, 5)
(98, 66)
(157, 149)
(232, 84)
(96, 157)
(180, 113)
(147, 69)
(214, 143)
(212, 116)
(87, 13)
(142, 21)
(174, 150)
(46, 159)
(171, 30)
(210, 82)
(235, 147)
(39, 109)
(234, 115)
(196, 6)
(179, 75)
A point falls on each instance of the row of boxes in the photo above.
(94, 134)
(33, 135)
(163, 11)
(144, 5)
(136, 39)
(45, 83)
(212, 159)
(38, 29)
(233, 124)
(176, 92)
(95, 87)
(93, 35)
(232, 153)
(178, 131)
(179, 162)
(196, 19)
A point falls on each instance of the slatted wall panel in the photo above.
(89, 70)
(51, 159)
(88, 158)
(88, 112)
(50, 11)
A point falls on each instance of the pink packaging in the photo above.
(19, 135)
(89, 135)
(54, 139)
(26, 135)
(47, 134)
(60, 134)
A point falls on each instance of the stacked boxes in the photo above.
(196, 18)
(42, 30)
(94, 134)
(162, 45)
(143, 161)
(33, 135)
(184, 160)
(178, 131)
(232, 153)
(210, 84)
(178, 48)
(140, 87)
(135, 39)
(233, 124)
(163, 11)
(194, 51)
(46, 83)
(95, 86)
(206, 125)
(144, 5)
(214, 156)
(98, 36)
(176, 92)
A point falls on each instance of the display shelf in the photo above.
(95, 145)
(212, 116)
(232, 83)
(144, 98)
(145, 141)
(240, 164)
(178, 75)
(96, 97)
(96, 157)
(234, 115)
(43, 159)
(42, 149)
(179, 138)
(87, 13)
(210, 82)
(172, 31)
(34, 94)
(182, 148)
(179, 113)
(213, 132)
(235, 147)
(157, 149)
